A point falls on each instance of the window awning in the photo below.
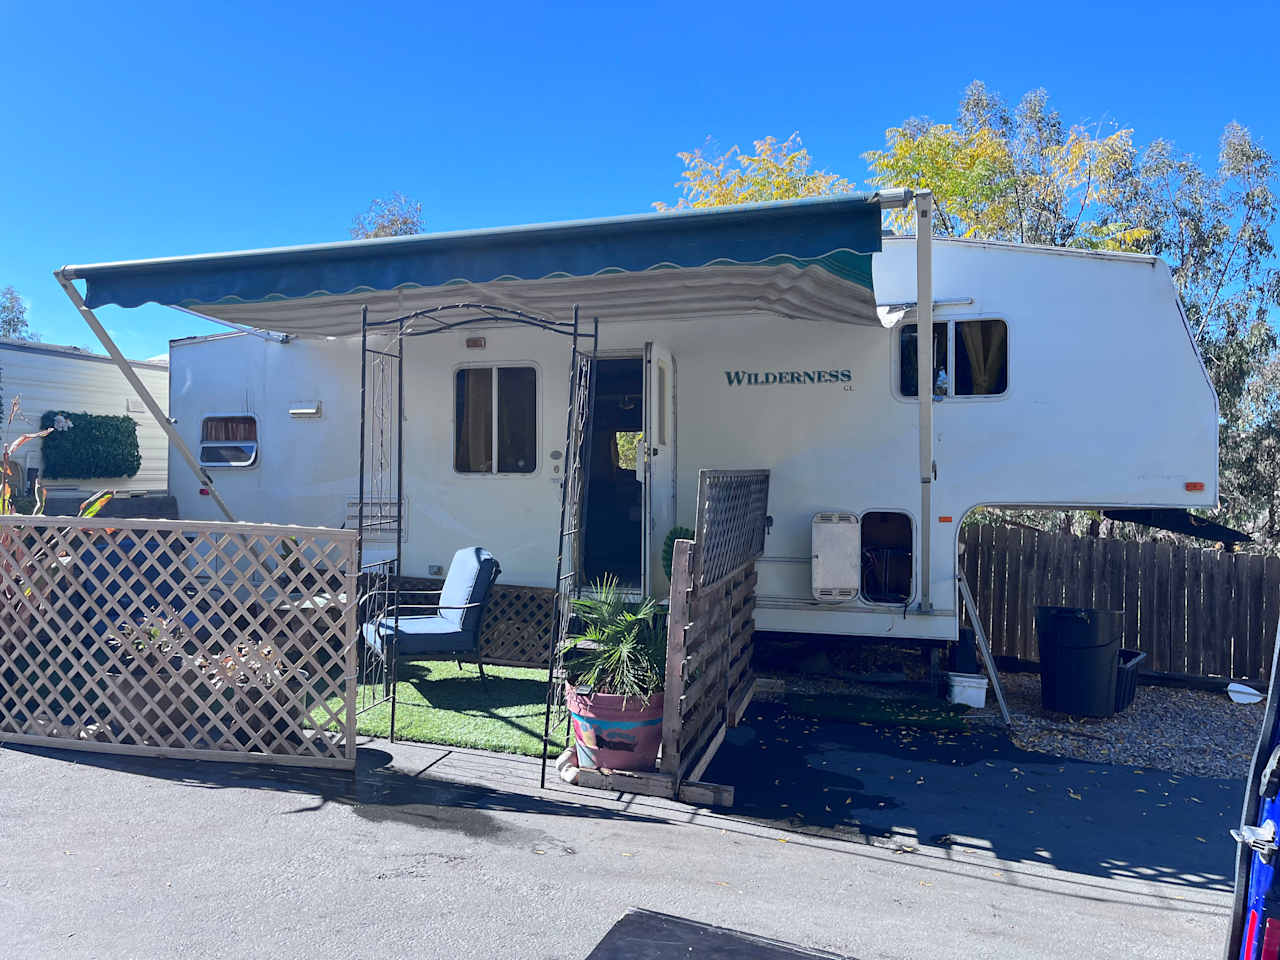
(802, 257)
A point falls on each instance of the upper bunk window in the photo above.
(981, 351)
(495, 420)
(228, 441)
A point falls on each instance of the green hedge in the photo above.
(95, 446)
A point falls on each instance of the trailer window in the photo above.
(495, 420)
(907, 360)
(887, 561)
(982, 358)
(228, 441)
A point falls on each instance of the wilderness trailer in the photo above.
(744, 337)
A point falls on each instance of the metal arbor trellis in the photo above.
(380, 504)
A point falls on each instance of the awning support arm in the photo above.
(141, 390)
(924, 385)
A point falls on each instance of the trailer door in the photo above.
(658, 463)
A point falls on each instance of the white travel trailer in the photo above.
(734, 338)
(46, 377)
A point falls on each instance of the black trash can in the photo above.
(1079, 655)
(1127, 677)
(964, 653)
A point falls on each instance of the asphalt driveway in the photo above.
(434, 852)
(974, 794)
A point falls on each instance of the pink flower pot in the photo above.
(615, 733)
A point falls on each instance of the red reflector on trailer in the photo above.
(944, 519)
(1271, 941)
(1194, 486)
(204, 491)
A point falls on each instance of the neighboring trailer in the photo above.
(1073, 381)
(48, 377)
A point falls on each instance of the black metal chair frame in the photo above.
(395, 609)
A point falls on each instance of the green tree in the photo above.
(13, 316)
(1215, 228)
(775, 171)
(396, 216)
(1017, 174)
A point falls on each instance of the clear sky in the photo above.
(139, 130)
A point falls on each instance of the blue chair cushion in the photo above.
(471, 574)
(420, 635)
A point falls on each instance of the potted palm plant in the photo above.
(615, 669)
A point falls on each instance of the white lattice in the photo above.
(233, 641)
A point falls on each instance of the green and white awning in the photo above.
(803, 258)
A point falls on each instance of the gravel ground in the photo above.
(1197, 732)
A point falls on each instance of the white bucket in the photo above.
(969, 689)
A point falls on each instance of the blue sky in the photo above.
(138, 130)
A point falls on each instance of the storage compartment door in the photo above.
(836, 537)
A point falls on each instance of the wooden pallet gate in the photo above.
(709, 682)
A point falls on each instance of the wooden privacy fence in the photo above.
(1194, 611)
(709, 635)
(224, 641)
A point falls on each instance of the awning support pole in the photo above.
(141, 390)
(924, 385)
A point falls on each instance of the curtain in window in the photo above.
(473, 419)
(229, 430)
(517, 419)
(984, 343)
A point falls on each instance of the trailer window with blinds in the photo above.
(495, 420)
(981, 353)
(229, 441)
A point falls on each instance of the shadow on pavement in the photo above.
(972, 791)
(377, 792)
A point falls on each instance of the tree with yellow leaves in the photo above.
(775, 171)
(1018, 175)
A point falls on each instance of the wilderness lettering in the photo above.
(754, 378)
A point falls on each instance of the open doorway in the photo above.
(615, 492)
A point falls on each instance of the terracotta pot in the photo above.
(613, 732)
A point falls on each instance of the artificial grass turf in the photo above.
(440, 703)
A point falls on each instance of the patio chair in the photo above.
(454, 626)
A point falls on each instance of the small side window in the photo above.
(228, 441)
(982, 358)
(887, 557)
(907, 360)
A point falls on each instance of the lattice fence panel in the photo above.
(225, 641)
(730, 529)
